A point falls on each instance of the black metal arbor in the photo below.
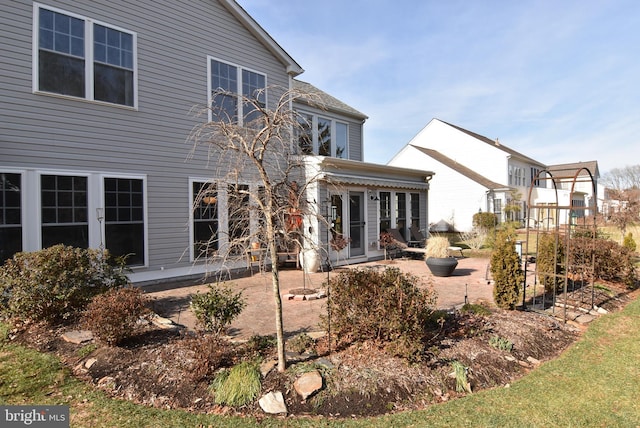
(560, 223)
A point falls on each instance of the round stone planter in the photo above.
(310, 260)
(441, 266)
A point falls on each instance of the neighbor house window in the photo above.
(10, 215)
(64, 210)
(124, 219)
(229, 85)
(82, 58)
(205, 219)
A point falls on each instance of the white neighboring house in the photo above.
(474, 174)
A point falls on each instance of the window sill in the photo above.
(69, 97)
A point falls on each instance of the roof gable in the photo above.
(494, 143)
(293, 68)
(461, 169)
(570, 169)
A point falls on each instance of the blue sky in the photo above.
(557, 80)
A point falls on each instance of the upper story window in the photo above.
(82, 58)
(322, 136)
(229, 85)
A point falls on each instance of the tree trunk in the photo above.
(275, 280)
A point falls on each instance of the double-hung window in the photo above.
(82, 58)
(124, 219)
(236, 93)
(205, 219)
(64, 210)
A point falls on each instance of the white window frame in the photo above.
(145, 214)
(88, 58)
(333, 130)
(238, 91)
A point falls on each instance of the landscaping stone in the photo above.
(533, 361)
(585, 319)
(273, 403)
(90, 362)
(77, 336)
(164, 323)
(308, 384)
(267, 366)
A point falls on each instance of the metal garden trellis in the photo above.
(548, 220)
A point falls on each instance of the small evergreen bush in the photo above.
(217, 308)
(57, 283)
(629, 242)
(389, 307)
(113, 316)
(549, 262)
(506, 270)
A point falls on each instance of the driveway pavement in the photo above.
(468, 281)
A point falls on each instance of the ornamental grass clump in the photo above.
(238, 386)
(437, 247)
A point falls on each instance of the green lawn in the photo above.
(594, 383)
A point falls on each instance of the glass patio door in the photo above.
(356, 224)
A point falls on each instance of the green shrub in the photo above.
(388, 307)
(506, 270)
(301, 343)
(485, 221)
(57, 283)
(238, 386)
(217, 308)
(629, 243)
(501, 343)
(475, 308)
(113, 316)
(549, 262)
(612, 261)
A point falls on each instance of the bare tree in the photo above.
(623, 187)
(261, 148)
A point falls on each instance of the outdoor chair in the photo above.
(417, 238)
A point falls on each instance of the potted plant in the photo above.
(437, 256)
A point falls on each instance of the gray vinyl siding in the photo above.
(355, 141)
(372, 223)
(173, 41)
